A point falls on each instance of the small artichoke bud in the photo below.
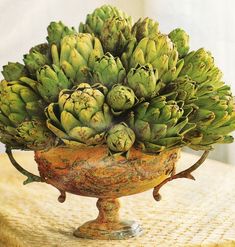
(13, 71)
(50, 82)
(56, 31)
(121, 98)
(115, 34)
(145, 28)
(181, 40)
(120, 138)
(108, 70)
(35, 134)
(95, 21)
(183, 88)
(37, 57)
(143, 81)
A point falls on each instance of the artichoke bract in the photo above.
(181, 40)
(57, 31)
(145, 28)
(13, 71)
(77, 56)
(108, 70)
(81, 115)
(120, 138)
(159, 125)
(115, 35)
(159, 51)
(121, 98)
(95, 21)
(115, 84)
(143, 80)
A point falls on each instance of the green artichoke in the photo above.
(57, 31)
(199, 65)
(143, 80)
(13, 71)
(50, 81)
(120, 138)
(8, 136)
(181, 40)
(77, 56)
(214, 117)
(182, 89)
(121, 98)
(115, 35)
(81, 115)
(95, 21)
(18, 103)
(159, 51)
(159, 125)
(108, 70)
(145, 28)
(38, 56)
(35, 135)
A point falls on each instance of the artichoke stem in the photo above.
(30, 177)
(184, 174)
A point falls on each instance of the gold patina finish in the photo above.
(92, 172)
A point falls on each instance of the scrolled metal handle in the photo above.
(184, 174)
(30, 177)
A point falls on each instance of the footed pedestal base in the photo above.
(108, 231)
(107, 226)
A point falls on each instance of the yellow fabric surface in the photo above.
(200, 213)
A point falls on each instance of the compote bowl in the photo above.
(92, 172)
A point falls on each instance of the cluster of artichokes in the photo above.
(117, 84)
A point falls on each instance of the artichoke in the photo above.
(120, 138)
(35, 135)
(95, 21)
(38, 56)
(159, 125)
(159, 51)
(143, 80)
(181, 40)
(50, 81)
(115, 35)
(182, 89)
(199, 65)
(108, 70)
(18, 104)
(81, 115)
(214, 117)
(56, 31)
(77, 56)
(13, 71)
(145, 28)
(121, 98)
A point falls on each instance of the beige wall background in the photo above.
(210, 24)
